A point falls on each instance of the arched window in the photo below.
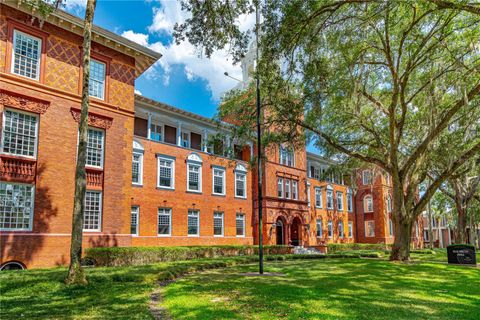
(368, 204)
(389, 203)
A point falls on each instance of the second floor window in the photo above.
(367, 177)
(137, 168)
(95, 148)
(294, 189)
(349, 202)
(287, 189)
(165, 173)
(286, 156)
(219, 181)
(194, 177)
(280, 187)
(389, 204)
(19, 133)
(339, 201)
(96, 86)
(368, 204)
(329, 199)
(240, 185)
(26, 54)
(318, 198)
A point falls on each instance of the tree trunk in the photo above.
(430, 225)
(472, 230)
(76, 273)
(461, 229)
(402, 242)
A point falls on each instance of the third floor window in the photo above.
(26, 54)
(95, 142)
(286, 156)
(96, 86)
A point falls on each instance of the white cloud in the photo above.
(185, 54)
(76, 7)
(138, 92)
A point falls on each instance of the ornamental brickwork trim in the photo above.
(94, 120)
(23, 103)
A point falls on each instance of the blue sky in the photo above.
(180, 78)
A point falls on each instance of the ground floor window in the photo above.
(218, 224)
(240, 224)
(330, 229)
(134, 220)
(193, 222)
(319, 228)
(340, 229)
(164, 221)
(370, 229)
(16, 206)
(350, 229)
(92, 214)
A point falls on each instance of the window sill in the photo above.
(15, 230)
(219, 195)
(218, 236)
(240, 236)
(193, 191)
(163, 235)
(165, 188)
(136, 185)
(193, 235)
(241, 198)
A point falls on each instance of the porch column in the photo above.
(149, 125)
(179, 134)
(205, 140)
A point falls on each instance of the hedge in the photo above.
(339, 247)
(128, 256)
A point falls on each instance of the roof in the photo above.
(144, 57)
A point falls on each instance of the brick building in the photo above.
(156, 175)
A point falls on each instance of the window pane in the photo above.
(218, 176)
(16, 206)
(240, 224)
(193, 222)
(134, 220)
(240, 184)
(319, 228)
(164, 216)
(96, 85)
(19, 133)
(218, 224)
(92, 212)
(94, 148)
(166, 177)
(26, 55)
(194, 177)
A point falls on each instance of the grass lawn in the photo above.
(329, 289)
(349, 288)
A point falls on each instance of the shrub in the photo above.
(340, 247)
(128, 256)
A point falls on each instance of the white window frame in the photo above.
(367, 228)
(287, 155)
(189, 143)
(349, 201)
(137, 213)
(100, 214)
(104, 79)
(162, 134)
(39, 62)
(339, 201)
(294, 189)
(166, 212)
(309, 196)
(365, 175)
(214, 168)
(35, 148)
(194, 213)
(102, 155)
(388, 200)
(199, 166)
(350, 229)
(280, 191)
(223, 223)
(319, 226)
(390, 227)
(244, 174)
(330, 229)
(172, 160)
(341, 229)
(140, 168)
(288, 189)
(243, 224)
(330, 196)
(318, 193)
(32, 210)
(366, 200)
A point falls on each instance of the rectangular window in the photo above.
(186, 139)
(134, 220)
(19, 133)
(194, 178)
(193, 223)
(390, 227)
(349, 202)
(280, 187)
(218, 181)
(329, 199)
(92, 215)
(240, 185)
(96, 86)
(370, 229)
(218, 224)
(240, 225)
(308, 195)
(340, 230)
(287, 189)
(350, 229)
(367, 177)
(318, 198)
(164, 221)
(294, 189)
(156, 132)
(16, 206)
(95, 148)
(27, 52)
(339, 201)
(286, 156)
(330, 229)
(166, 175)
(319, 228)
(137, 168)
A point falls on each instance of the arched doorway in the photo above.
(279, 227)
(295, 229)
